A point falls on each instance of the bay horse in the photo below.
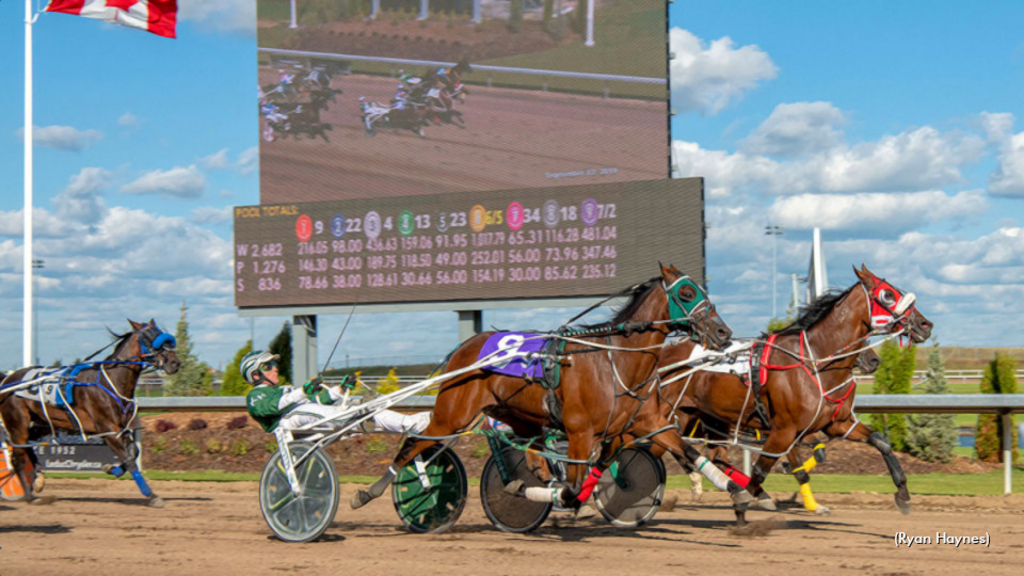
(99, 400)
(805, 377)
(867, 363)
(601, 394)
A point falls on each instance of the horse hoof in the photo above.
(514, 488)
(903, 506)
(156, 502)
(766, 503)
(39, 483)
(43, 501)
(585, 511)
(822, 511)
(742, 498)
(359, 499)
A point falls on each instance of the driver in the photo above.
(295, 406)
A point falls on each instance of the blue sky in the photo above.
(896, 127)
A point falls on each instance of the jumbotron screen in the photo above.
(467, 97)
(569, 241)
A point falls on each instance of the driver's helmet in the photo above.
(254, 363)
(442, 72)
(406, 77)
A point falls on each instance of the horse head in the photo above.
(148, 343)
(690, 309)
(892, 309)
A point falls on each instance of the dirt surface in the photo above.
(97, 526)
(218, 448)
(511, 139)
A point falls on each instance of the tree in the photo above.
(282, 346)
(932, 437)
(776, 324)
(234, 383)
(893, 377)
(192, 377)
(515, 16)
(999, 378)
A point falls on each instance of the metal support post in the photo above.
(477, 12)
(1007, 419)
(470, 324)
(424, 10)
(746, 463)
(304, 351)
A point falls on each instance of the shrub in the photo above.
(893, 377)
(165, 425)
(188, 447)
(376, 445)
(239, 447)
(270, 445)
(932, 437)
(160, 445)
(515, 16)
(482, 449)
(214, 446)
(389, 383)
(999, 378)
(197, 424)
(236, 423)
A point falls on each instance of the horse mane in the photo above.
(119, 341)
(626, 311)
(814, 312)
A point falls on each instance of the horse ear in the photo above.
(134, 324)
(865, 276)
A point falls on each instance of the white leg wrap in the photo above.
(543, 494)
(711, 472)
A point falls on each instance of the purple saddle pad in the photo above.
(509, 350)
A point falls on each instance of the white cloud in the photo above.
(249, 160)
(917, 159)
(797, 129)
(221, 15)
(1008, 177)
(212, 215)
(215, 161)
(63, 137)
(178, 182)
(709, 77)
(880, 214)
(128, 119)
(80, 201)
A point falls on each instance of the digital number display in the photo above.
(510, 244)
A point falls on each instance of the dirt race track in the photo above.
(100, 526)
(511, 139)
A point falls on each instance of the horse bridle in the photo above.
(888, 307)
(151, 345)
(686, 314)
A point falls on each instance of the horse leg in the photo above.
(125, 451)
(580, 446)
(862, 433)
(40, 480)
(691, 458)
(800, 472)
(778, 441)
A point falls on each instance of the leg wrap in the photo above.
(378, 488)
(895, 470)
(736, 475)
(117, 471)
(809, 501)
(544, 494)
(589, 484)
(141, 483)
(802, 477)
(717, 477)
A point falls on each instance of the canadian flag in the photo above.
(156, 16)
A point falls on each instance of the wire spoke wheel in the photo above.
(304, 516)
(630, 491)
(438, 505)
(511, 513)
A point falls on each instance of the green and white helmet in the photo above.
(252, 365)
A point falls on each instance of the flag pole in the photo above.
(27, 352)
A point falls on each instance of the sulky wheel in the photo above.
(508, 512)
(632, 488)
(302, 517)
(430, 492)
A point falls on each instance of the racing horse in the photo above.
(803, 372)
(604, 371)
(97, 398)
(867, 362)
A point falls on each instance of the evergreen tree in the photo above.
(192, 377)
(932, 437)
(999, 378)
(282, 346)
(893, 377)
(234, 383)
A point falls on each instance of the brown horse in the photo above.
(604, 392)
(99, 400)
(868, 362)
(805, 383)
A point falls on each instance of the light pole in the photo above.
(38, 264)
(774, 232)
